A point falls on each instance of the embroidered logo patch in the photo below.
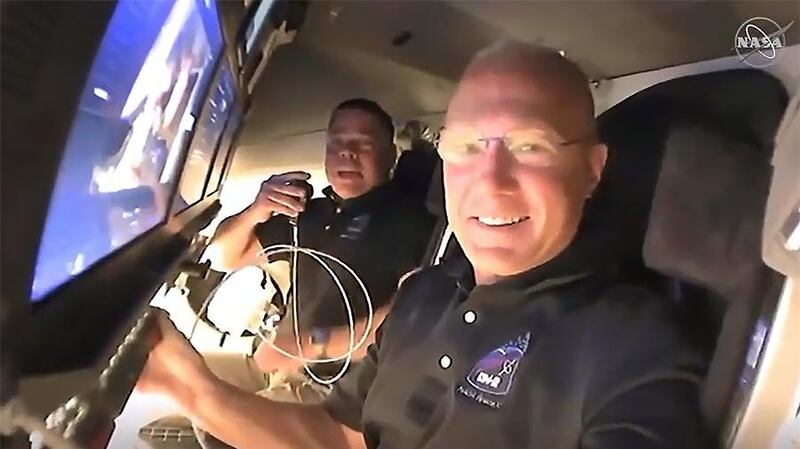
(355, 227)
(491, 378)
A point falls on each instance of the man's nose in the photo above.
(348, 152)
(497, 165)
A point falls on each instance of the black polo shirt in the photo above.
(550, 359)
(381, 235)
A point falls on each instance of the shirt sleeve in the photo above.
(273, 231)
(644, 391)
(346, 401)
(659, 412)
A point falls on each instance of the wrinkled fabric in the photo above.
(556, 358)
(380, 235)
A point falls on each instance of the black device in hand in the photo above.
(309, 193)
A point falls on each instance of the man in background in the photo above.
(362, 219)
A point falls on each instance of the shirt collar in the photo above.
(574, 263)
(377, 196)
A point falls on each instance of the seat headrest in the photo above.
(746, 104)
(435, 199)
(707, 212)
(415, 168)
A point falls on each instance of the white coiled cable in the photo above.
(353, 345)
(318, 256)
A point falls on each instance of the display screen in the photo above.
(137, 110)
(206, 139)
(225, 148)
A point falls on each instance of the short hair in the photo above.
(370, 107)
(527, 58)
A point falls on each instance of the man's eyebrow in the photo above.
(564, 142)
(354, 133)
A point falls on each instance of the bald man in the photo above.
(529, 344)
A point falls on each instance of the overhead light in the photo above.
(333, 14)
(100, 93)
(562, 53)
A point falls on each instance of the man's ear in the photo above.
(598, 155)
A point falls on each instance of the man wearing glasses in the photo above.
(529, 344)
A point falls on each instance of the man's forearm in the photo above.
(235, 240)
(248, 421)
(339, 342)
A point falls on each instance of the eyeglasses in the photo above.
(353, 141)
(533, 146)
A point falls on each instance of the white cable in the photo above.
(295, 243)
(282, 248)
(296, 325)
(295, 311)
(353, 346)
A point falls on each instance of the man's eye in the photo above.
(471, 148)
(463, 149)
(528, 148)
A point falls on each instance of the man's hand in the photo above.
(237, 417)
(174, 368)
(276, 196)
(235, 243)
(269, 360)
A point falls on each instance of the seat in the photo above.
(746, 105)
(443, 245)
(682, 205)
(414, 169)
(705, 234)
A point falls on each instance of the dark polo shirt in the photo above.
(554, 358)
(381, 235)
